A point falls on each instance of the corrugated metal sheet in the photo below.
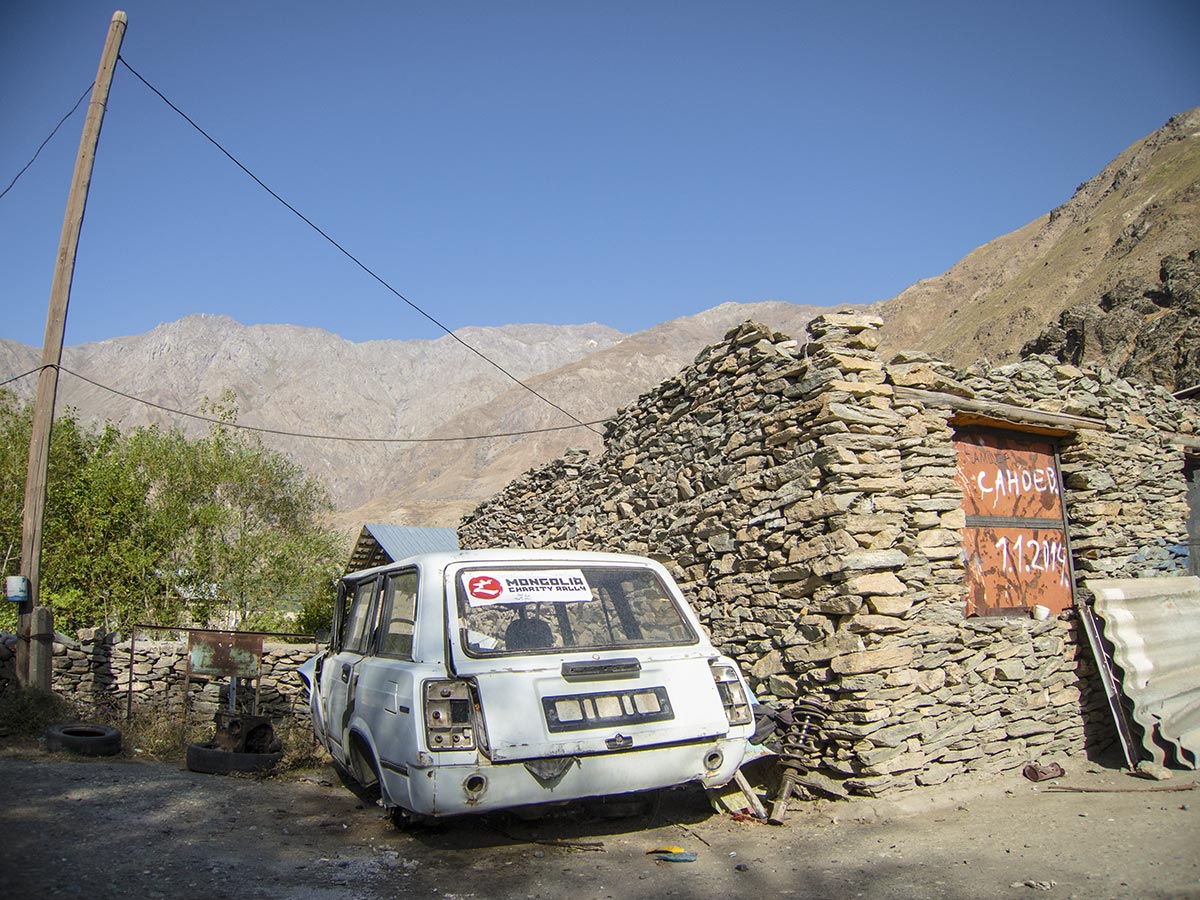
(381, 544)
(1154, 627)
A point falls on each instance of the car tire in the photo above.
(83, 738)
(406, 820)
(208, 759)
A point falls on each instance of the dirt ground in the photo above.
(115, 828)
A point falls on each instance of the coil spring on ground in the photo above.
(799, 751)
(799, 748)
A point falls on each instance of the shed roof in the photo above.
(379, 545)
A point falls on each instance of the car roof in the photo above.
(439, 561)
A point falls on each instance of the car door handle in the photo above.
(626, 667)
(345, 673)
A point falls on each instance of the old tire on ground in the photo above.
(84, 738)
(210, 760)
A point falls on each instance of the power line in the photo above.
(43, 144)
(297, 434)
(350, 256)
(22, 375)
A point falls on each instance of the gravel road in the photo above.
(117, 828)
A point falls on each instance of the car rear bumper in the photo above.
(452, 787)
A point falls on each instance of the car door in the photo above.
(339, 674)
(387, 681)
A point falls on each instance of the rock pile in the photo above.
(805, 497)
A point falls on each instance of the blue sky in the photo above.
(560, 162)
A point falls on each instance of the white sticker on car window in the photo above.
(526, 586)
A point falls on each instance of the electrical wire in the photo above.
(47, 140)
(350, 256)
(296, 434)
(22, 375)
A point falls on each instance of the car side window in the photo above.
(358, 622)
(399, 614)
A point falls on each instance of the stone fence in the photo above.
(100, 671)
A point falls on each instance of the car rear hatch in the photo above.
(542, 706)
(579, 660)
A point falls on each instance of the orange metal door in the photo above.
(1015, 538)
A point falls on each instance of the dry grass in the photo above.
(165, 737)
(161, 735)
(300, 748)
(26, 712)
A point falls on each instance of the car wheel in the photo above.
(208, 759)
(83, 738)
(407, 820)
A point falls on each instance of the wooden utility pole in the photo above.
(35, 672)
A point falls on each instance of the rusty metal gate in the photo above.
(1015, 538)
(229, 654)
(226, 654)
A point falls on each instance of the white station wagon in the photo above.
(483, 680)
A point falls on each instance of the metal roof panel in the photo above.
(380, 544)
(406, 540)
(1154, 627)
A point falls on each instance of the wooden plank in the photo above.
(982, 412)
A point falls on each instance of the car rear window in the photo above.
(506, 610)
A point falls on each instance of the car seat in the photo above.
(528, 634)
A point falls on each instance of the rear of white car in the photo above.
(563, 676)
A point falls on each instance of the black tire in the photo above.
(83, 738)
(405, 820)
(208, 759)
(402, 819)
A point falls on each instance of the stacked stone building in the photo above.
(811, 501)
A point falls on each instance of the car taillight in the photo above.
(449, 715)
(733, 695)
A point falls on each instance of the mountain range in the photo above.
(1110, 276)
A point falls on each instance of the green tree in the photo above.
(14, 435)
(252, 552)
(158, 528)
(89, 507)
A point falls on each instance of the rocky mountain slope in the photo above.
(430, 479)
(1117, 228)
(307, 381)
(1145, 331)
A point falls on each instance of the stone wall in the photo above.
(805, 497)
(1124, 482)
(96, 670)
